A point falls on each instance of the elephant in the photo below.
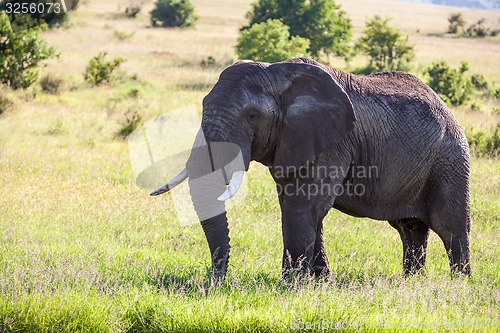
(382, 146)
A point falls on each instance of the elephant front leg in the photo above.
(321, 266)
(303, 251)
(299, 239)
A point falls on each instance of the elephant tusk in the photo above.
(171, 184)
(234, 185)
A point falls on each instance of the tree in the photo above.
(173, 13)
(456, 21)
(321, 21)
(20, 54)
(385, 46)
(270, 41)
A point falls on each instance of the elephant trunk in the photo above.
(214, 162)
(205, 190)
(217, 234)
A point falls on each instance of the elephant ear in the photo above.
(317, 114)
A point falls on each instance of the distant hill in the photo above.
(479, 4)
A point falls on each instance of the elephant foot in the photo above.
(321, 271)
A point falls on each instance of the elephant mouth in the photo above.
(209, 162)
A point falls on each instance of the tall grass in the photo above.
(83, 249)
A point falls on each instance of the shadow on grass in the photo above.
(194, 282)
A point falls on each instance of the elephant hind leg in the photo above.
(449, 217)
(453, 229)
(448, 206)
(414, 234)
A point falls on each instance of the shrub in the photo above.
(133, 93)
(322, 22)
(479, 82)
(270, 41)
(475, 106)
(385, 46)
(123, 35)
(51, 84)
(5, 103)
(456, 22)
(173, 13)
(132, 10)
(479, 29)
(99, 70)
(21, 53)
(484, 143)
(130, 122)
(209, 62)
(451, 84)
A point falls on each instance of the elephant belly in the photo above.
(377, 203)
(358, 208)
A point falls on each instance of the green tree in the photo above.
(20, 54)
(173, 13)
(270, 41)
(456, 21)
(385, 46)
(321, 21)
(451, 84)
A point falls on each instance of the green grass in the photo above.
(83, 249)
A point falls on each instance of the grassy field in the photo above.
(84, 249)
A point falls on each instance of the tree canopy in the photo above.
(385, 45)
(254, 43)
(327, 27)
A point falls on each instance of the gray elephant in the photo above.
(382, 146)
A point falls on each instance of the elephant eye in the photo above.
(252, 115)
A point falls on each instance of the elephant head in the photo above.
(282, 115)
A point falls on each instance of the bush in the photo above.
(484, 143)
(479, 29)
(451, 84)
(209, 62)
(132, 10)
(123, 35)
(479, 82)
(20, 54)
(270, 41)
(385, 46)
(5, 103)
(51, 84)
(456, 22)
(99, 70)
(173, 13)
(130, 122)
(322, 22)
